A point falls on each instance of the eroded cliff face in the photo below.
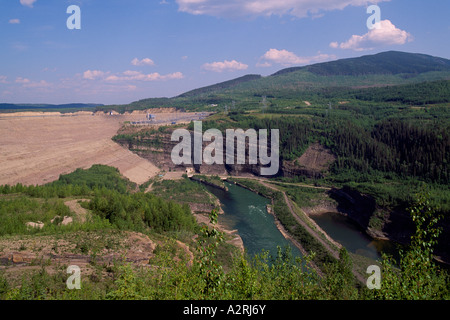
(157, 148)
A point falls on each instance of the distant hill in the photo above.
(221, 86)
(391, 62)
(5, 107)
(293, 85)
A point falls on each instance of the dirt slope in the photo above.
(36, 150)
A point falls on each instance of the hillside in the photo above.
(318, 82)
(221, 86)
(391, 62)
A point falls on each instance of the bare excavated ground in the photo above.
(35, 148)
(316, 157)
(85, 249)
(22, 254)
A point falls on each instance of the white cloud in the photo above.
(225, 66)
(27, 83)
(334, 45)
(14, 21)
(129, 75)
(22, 80)
(139, 76)
(94, 74)
(287, 58)
(37, 84)
(385, 34)
(143, 62)
(3, 79)
(236, 8)
(28, 3)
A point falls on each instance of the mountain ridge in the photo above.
(389, 62)
(291, 85)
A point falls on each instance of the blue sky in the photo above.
(128, 50)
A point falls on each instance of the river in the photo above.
(351, 236)
(246, 211)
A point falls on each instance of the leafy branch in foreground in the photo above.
(417, 276)
(211, 272)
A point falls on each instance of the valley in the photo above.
(366, 138)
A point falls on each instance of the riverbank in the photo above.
(278, 223)
(291, 226)
(201, 213)
(235, 238)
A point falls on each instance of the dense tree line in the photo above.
(97, 176)
(139, 211)
(110, 197)
(431, 92)
(407, 147)
(403, 147)
(295, 132)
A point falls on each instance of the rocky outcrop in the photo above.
(157, 148)
(35, 225)
(63, 221)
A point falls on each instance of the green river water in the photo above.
(246, 211)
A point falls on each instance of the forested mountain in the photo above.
(320, 82)
(391, 62)
(223, 85)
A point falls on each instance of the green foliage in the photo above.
(430, 92)
(403, 147)
(220, 86)
(259, 278)
(181, 191)
(128, 285)
(339, 281)
(15, 212)
(141, 211)
(417, 276)
(111, 204)
(210, 272)
(210, 180)
(98, 176)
